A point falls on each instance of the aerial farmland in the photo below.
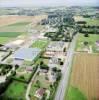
(49, 53)
(13, 26)
(84, 77)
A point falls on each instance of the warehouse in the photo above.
(27, 54)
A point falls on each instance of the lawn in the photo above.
(23, 74)
(91, 40)
(4, 40)
(40, 44)
(16, 90)
(75, 94)
(10, 34)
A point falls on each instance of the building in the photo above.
(40, 92)
(56, 46)
(26, 54)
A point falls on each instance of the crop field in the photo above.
(18, 23)
(4, 40)
(17, 27)
(7, 20)
(10, 34)
(90, 21)
(91, 42)
(16, 90)
(13, 26)
(84, 79)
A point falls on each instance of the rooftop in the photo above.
(26, 53)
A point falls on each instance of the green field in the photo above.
(16, 90)
(92, 22)
(74, 94)
(40, 44)
(91, 40)
(4, 40)
(16, 27)
(19, 24)
(10, 34)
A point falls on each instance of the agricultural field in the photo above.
(90, 21)
(84, 78)
(8, 20)
(13, 26)
(40, 44)
(4, 40)
(16, 90)
(10, 34)
(91, 39)
(17, 27)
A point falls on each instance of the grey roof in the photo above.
(26, 53)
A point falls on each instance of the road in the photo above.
(66, 71)
(30, 84)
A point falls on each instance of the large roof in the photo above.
(26, 53)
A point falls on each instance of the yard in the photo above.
(23, 74)
(84, 78)
(43, 84)
(40, 44)
(91, 42)
(16, 90)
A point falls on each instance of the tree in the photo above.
(54, 69)
(16, 66)
(85, 43)
(86, 35)
(59, 74)
(38, 83)
(61, 63)
(41, 63)
(64, 50)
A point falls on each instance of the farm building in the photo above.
(56, 46)
(39, 93)
(27, 54)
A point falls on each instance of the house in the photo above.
(40, 92)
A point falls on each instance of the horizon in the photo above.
(47, 3)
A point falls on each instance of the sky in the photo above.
(31, 3)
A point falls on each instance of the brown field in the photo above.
(7, 20)
(85, 74)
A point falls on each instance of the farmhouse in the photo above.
(27, 54)
(39, 93)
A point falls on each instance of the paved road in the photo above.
(30, 84)
(66, 71)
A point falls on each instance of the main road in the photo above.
(60, 93)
